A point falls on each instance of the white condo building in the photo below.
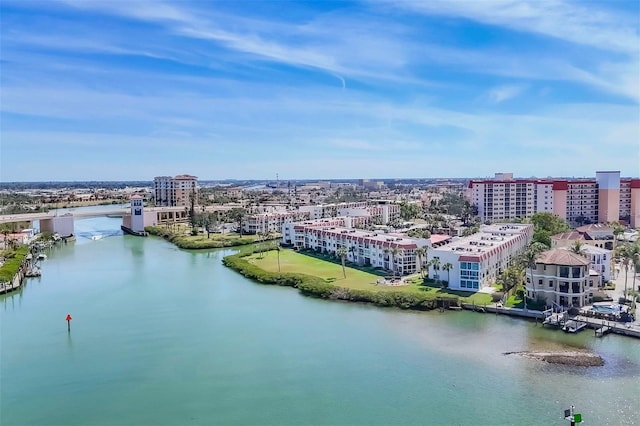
(382, 211)
(264, 223)
(477, 260)
(391, 252)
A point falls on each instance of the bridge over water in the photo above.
(62, 222)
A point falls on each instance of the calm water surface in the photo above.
(162, 336)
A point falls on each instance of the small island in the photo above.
(574, 358)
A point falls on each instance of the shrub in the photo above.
(497, 296)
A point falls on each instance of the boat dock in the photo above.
(556, 319)
(602, 331)
(559, 319)
(573, 326)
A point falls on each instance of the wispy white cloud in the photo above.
(576, 22)
(502, 93)
(344, 47)
(584, 24)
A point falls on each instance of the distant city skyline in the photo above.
(116, 91)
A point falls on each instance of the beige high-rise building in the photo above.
(608, 185)
(607, 198)
(175, 191)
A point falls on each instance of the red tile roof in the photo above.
(561, 257)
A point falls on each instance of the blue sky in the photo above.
(120, 90)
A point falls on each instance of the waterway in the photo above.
(162, 336)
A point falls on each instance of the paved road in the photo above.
(619, 281)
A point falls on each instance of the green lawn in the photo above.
(294, 262)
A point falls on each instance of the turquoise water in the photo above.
(162, 336)
(608, 309)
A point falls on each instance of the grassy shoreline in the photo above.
(180, 238)
(12, 263)
(321, 281)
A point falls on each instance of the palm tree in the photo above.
(447, 267)
(530, 255)
(617, 231)
(394, 253)
(577, 247)
(386, 257)
(420, 253)
(13, 244)
(5, 233)
(352, 251)
(630, 255)
(624, 252)
(634, 257)
(435, 262)
(341, 252)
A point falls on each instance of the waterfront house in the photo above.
(561, 277)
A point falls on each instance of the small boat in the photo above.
(42, 256)
(33, 272)
(572, 326)
(96, 237)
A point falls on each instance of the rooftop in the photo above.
(571, 236)
(588, 248)
(489, 238)
(561, 257)
(377, 238)
(438, 238)
(596, 227)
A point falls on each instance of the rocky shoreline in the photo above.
(575, 358)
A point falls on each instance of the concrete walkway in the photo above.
(619, 281)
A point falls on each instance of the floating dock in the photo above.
(572, 326)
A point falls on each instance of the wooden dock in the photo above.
(558, 319)
(572, 326)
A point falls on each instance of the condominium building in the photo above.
(563, 278)
(394, 253)
(607, 198)
(380, 211)
(477, 260)
(264, 223)
(175, 191)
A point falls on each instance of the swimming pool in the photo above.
(606, 309)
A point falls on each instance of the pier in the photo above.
(559, 319)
